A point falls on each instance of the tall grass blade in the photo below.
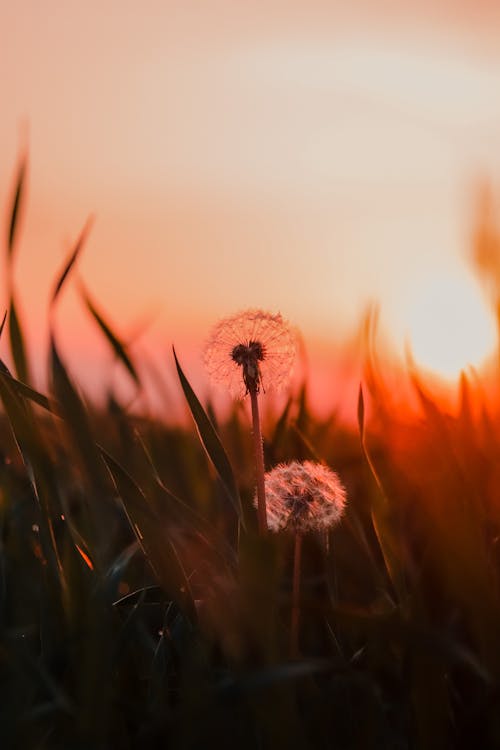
(382, 517)
(75, 415)
(77, 431)
(17, 344)
(27, 391)
(211, 442)
(281, 427)
(361, 414)
(116, 344)
(70, 263)
(2, 324)
(16, 209)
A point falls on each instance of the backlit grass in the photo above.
(140, 608)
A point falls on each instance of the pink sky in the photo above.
(305, 157)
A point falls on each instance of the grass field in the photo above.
(141, 608)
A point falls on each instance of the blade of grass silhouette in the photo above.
(77, 429)
(281, 427)
(211, 442)
(71, 261)
(295, 429)
(15, 210)
(27, 391)
(2, 325)
(75, 415)
(147, 594)
(381, 515)
(117, 345)
(17, 344)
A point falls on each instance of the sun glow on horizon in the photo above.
(448, 326)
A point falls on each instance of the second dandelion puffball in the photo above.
(303, 496)
(251, 350)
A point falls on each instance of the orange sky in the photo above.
(305, 157)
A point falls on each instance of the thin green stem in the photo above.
(259, 463)
(294, 629)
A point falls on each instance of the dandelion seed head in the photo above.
(251, 350)
(303, 496)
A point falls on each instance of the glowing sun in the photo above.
(449, 326)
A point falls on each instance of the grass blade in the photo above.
(26, 391)
(116, 344)
(16, 209)
(361, 414)
(75, 414)
(70, 263)
(17, 344)
(211, 442)
(2, 325)
(382, 516)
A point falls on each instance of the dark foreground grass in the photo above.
(139, 608)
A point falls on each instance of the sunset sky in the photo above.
(306, 157)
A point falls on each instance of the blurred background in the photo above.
(307, 157)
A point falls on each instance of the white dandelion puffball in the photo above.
(249, 351)
(303, 496)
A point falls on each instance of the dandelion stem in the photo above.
(294, 629)
(259, 462)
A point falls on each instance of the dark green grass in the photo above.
(140, 609)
